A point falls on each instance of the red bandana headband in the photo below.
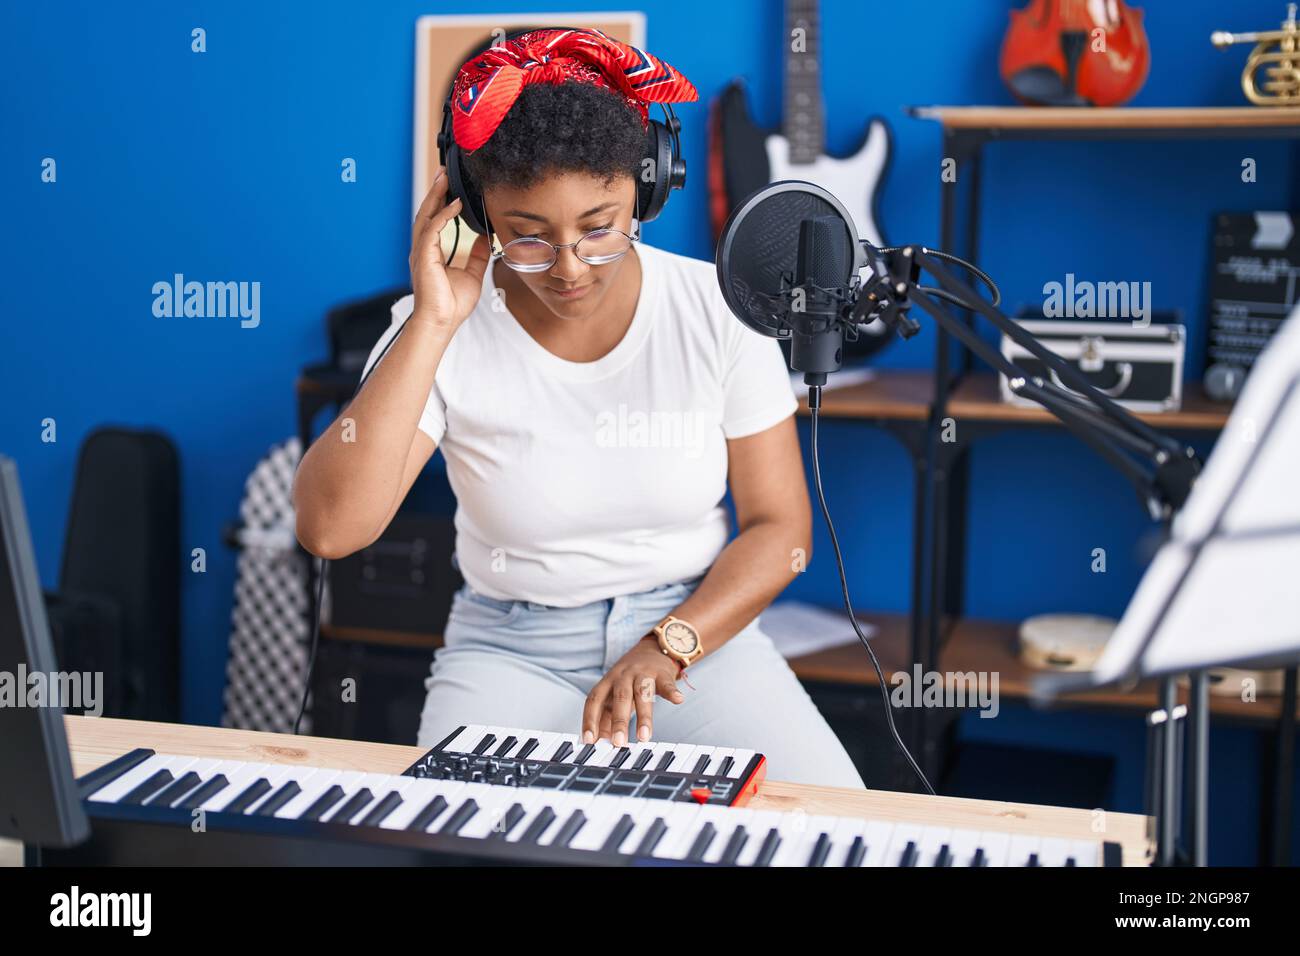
(488, 85)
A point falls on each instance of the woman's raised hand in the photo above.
(444, 295)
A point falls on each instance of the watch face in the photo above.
(681, 638)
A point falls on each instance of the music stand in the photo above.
(1224, 588)
(40, 803)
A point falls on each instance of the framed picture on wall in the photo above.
(443, 43)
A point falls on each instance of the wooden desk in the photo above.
(95, 741)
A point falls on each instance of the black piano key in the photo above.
(771, 843)
(1069, 861)
(736, 843)
(569, 829)
(430, 813)
(506, 744)
(487, 741)
(909, 854)
(278, 799)
(529, 746)
(642, 759)
(509, 820)
(618, 834)
(459, 817)
(380, 811)
(979, 859)
(724, 768)
(175, 790)
(253, 792)
(585, 753)
(701, 844)
(857, 850)
(450, 737)
(323, 803)
(204, 793)
(945, 856)
(702, 764)
(652, 837)
(562, 752)
(148, 788)
(1033, 860)
(356, 802)
(101, 777)
(620, 758)
(821, 850)
(545, 817)
(664, 761)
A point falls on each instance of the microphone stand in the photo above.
(1161, 469)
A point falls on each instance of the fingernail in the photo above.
(643, 734)
(587, 737)
(618, 739)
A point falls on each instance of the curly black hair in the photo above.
(570, 126)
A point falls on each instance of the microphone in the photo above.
(788, 261)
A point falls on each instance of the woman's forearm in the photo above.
(352, 474)
(752, 570)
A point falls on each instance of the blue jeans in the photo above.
(528, 665)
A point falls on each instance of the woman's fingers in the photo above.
(591, 712)
(667, 687)
(433, 198)
(620, 707)
(644, 700)
(606, 726)
(479, 256)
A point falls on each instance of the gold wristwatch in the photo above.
(679, 641)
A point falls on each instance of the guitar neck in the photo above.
(802, 120)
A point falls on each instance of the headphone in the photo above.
(663, 149)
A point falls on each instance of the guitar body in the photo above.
(745, 157)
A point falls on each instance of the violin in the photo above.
(1075, 53)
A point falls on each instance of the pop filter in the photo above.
(788, 261)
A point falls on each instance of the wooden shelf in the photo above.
(899, 395)
(1110, 118)
(976, 398)
(989, 646)
(384, 638)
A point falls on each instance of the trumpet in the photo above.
(1277, 55)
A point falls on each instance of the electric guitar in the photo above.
(744, 157)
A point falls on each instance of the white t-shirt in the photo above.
(582, 481)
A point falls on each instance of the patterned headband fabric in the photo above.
(488, 85)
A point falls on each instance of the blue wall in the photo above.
(225, 165)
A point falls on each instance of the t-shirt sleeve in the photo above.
(755, 381)
(433, 420)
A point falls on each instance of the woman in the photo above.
(594, 399)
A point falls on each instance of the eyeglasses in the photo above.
(596, 248)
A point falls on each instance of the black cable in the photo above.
(956, 260)
(814, 405)
(324, 562)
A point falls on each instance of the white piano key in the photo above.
(1052, 851)
(740, 762)
(312, 789)
(602, 816)
(572, 740)
(995, 846)
(709, 767)
(1022, 844)
(124, 784)
(601, 754)
(1085, 852)
(466, 740)
(763, 822)
(878, 837)
(846, 830)
(904, 833)
(418, 797)
(932, 840)
(963, 844)
(719, 757)
(681, 828)
(546, 744)
(298, 775)
(683, 758)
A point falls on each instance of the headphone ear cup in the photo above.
(652, 191)
(458, 182)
